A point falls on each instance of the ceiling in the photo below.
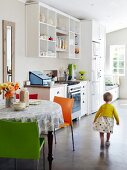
(112, 13)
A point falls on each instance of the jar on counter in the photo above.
(24, 96)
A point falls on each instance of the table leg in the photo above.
(50, 144)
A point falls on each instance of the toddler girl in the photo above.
(104, 119)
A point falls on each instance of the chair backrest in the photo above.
(31, 96)
(19, 140)
(66, 105)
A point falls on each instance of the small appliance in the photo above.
(39, 78)
(82, 75)
(72, 71)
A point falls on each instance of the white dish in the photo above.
(34, 102)
(18, 106)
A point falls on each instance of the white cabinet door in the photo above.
(58, 91)
(95, 96)
(115, 93)
(84, 98)
(95, 31)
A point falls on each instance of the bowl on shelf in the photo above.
(18, 106)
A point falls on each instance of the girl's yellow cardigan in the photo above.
(107, 110)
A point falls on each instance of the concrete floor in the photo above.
(87, 154)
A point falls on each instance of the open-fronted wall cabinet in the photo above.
(51, 33)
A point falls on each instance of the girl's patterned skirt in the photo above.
(104, 124)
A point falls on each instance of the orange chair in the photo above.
(66, 105)
(31, 96)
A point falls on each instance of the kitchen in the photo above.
(93, 85)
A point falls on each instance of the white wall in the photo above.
(117, 38)
(13, 10)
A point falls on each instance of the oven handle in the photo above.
(77, 92)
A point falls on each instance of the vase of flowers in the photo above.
(9, 90)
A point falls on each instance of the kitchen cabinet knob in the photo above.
(83, 93)
(83, 102)
(58, 92)
(83, 86)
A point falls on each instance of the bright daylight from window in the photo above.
(117, 55)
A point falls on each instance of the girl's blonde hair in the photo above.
(107, 97)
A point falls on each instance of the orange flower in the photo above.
(9, 88)
(16, 86)
(9, 94)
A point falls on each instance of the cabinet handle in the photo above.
(83, 87)
(83, 93)
(58, 92)
(83, 102)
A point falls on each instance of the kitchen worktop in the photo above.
(107, 88)
(42, 86)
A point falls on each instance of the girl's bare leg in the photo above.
(108, 137)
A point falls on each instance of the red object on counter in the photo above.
(31, 96)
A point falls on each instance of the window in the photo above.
(117, 56)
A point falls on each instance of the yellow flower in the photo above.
(9, 88)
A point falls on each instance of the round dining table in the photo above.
(48, 114)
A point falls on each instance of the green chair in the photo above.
(20, 140)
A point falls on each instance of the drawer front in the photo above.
(84, 107)
(61, 92)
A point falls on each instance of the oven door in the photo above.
(77, 100)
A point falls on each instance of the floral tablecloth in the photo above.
(48, 115)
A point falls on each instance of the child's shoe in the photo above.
(107, 143)
(101, 147)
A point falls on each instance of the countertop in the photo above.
(107, 88)
(42, 86)
(57, 84)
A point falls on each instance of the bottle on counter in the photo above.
(24, 96)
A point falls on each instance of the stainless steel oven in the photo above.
(74, 91)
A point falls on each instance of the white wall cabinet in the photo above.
(51, 33)
(84, 97)
(48, 93)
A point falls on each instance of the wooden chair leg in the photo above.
(55, 135)
(72, 137)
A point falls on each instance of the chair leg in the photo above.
(72, 137)
(15, 164)
(55, 135)
(44, 157)
(37, 164)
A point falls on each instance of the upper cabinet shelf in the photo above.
(61, 32)
(51, 33)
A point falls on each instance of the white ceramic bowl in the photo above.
(19, 106)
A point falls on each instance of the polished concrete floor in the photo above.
(87, 154)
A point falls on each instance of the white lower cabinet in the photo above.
(115, 93)
(48, 93)
(84, 97)
(59, 91)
